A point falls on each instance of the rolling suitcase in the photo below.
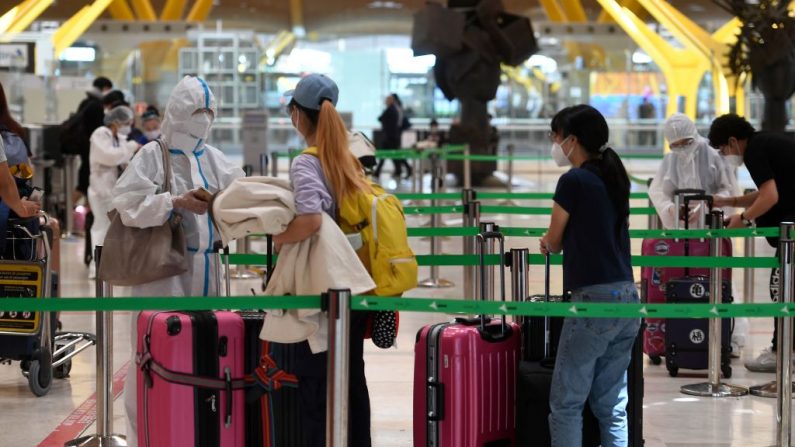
(654, 279)
(465, 377)
(532, 404)
(540, 335)
(190, 379)
(273, 410)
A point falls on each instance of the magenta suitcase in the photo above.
(654, 279)
(190, 379)
(465, 381)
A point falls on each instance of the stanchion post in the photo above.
(338, 367)
(263, 164)
(104, 370)
(434, 282)
(771, 389)
(748, 274)
(274, 164)
(714, 388)
(467, 168)
(784, 366)
(471, 218)
(510, 168)
(520, 275)
(487, 227)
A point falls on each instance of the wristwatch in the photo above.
(746, 222)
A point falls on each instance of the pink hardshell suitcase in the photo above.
(190, 379)
(654, 279)
(465, 380)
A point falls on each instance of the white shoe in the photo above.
(765, 362)
(92, 270)
(736, 350)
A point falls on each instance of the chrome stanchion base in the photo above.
(243, 274)
(98, 441)
(768, 390)
(436, 283)
(708, 390)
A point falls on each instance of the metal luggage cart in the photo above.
(29, 337)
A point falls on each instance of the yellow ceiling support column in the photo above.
(697, 39)
(574, 11)
(120, 10)
(173, 10)
(554, 10)
(297, 16)
(144, 11)
(632, 5)
(200, 11)
(25, 15)
(683, 69)
(73, 28)
(14, 14)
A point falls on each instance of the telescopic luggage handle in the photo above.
(482, 239)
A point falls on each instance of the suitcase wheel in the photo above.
(673, 371)
(655, 359)
(727, 371)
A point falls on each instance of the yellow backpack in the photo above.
(385, 250)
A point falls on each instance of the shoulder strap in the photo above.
(166, 166)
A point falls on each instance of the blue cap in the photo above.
(312, 90)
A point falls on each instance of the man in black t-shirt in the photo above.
(770, 158)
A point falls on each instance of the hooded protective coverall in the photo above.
(695, 166)
(141, 203)
(108, 154)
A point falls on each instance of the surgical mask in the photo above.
(152, 134)
(561, 158)
(183, 141)
(734, 161)
(124, 130)
(199, 125)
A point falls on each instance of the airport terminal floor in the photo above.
(670, 417)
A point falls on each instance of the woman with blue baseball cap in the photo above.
(319, 183)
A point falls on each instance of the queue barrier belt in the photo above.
(433, 305)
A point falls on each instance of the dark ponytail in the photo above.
(590, 128)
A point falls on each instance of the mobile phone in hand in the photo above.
(203, 195)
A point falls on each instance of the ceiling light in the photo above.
(388, 4)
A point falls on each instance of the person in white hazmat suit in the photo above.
(693, 164)
(186, 125)
(109, 152)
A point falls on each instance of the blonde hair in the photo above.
(344, 173)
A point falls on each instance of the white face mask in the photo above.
(152, 134)
(561, 158)
(734, 161)
(199, 125)
(124, 130)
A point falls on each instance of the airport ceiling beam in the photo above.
(297, 17)
(72, 29)
(144, 10)
(173, 10)
(632, 5)
(120, 10)
(200, 11)
(554, 11)
(24, 15)
(574, 11)
(697, 39)
(12, 15)
(683, 68)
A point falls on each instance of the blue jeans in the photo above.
(592, 361)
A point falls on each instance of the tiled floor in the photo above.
(670, 418)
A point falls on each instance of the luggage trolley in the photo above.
(29, 337)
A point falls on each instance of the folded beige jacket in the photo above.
(313, 266)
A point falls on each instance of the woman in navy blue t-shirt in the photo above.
(590, 224)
